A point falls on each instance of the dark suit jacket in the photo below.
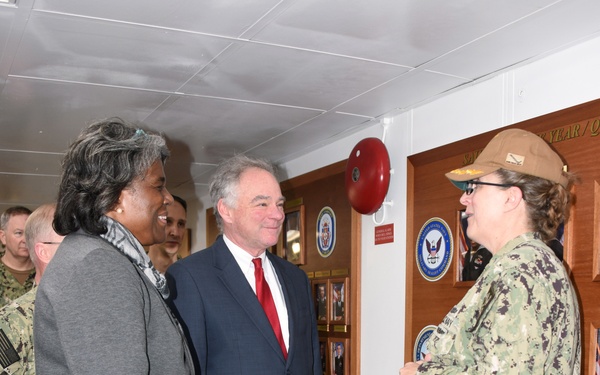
(339, 365)
(225, 324)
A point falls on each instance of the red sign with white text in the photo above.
(384, 234)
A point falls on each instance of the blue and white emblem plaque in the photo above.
(434, 249)
(420, 349)
(326, 232)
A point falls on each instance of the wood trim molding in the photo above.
(355, 282)
(410, 260)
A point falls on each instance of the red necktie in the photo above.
(266, 300)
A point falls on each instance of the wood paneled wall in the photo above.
(317, 189)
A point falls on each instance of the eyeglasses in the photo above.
(472, 184)
(51, 243)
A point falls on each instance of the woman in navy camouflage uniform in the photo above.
(522, 315)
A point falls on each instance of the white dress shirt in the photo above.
(244, 260)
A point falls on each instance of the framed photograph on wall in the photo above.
(320, 290)
(323, 350)
(472, 257)
(293, 233)
(339, 356)
(338, 301)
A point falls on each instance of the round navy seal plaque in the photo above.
(434, 249)
(326, 232)
(420, 348)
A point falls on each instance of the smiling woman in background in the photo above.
(99, 306)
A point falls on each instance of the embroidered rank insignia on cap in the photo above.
(467, 171)
(8, 354)
(514, 159)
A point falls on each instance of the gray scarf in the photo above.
(126, 243)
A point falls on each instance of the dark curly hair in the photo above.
(105, 158)
(547, 202)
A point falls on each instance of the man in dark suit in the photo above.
(214, 291)
(321, 302)
(338, 303)
(339, 359)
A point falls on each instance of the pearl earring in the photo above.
(119, 210)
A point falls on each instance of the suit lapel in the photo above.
(237, 285)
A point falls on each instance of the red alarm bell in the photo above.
(367, 175)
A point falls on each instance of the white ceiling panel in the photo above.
(294, 77)
(396, 31)
(11, 24)
(267, 77)
(207, 125)
(42, 163)
(46, 116)
(316, 132)
(83, 50)
(401, 93)
(524, 39)
(37, 190)
(6, 16)
(222, 17)
(201, 172)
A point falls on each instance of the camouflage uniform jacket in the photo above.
(16, 336)
(10, 288)
(520, 317)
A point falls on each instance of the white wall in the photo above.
(556, 82)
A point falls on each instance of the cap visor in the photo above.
(462, 185)
(459, 177)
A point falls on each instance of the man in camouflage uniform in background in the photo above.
(16, 318)
(16, 268)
